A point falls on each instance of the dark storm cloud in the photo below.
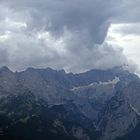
(75, 15)
(129, 11)
(62, 33)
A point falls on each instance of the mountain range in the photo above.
(38, 104)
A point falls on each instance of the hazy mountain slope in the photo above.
(27, 117)
(50, 104)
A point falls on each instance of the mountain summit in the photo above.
(49, 104)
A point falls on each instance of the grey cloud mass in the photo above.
(129, 29)
(61, 33)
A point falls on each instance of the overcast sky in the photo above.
(75, 35)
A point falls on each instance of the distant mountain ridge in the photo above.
(97, 104)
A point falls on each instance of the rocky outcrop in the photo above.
(122, 113)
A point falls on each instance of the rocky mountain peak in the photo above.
(70, 105)
(5, 69)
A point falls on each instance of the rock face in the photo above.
(49, 104)
(122, 113)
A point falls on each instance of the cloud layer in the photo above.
(61, 33)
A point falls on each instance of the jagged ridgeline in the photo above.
(38, 104)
